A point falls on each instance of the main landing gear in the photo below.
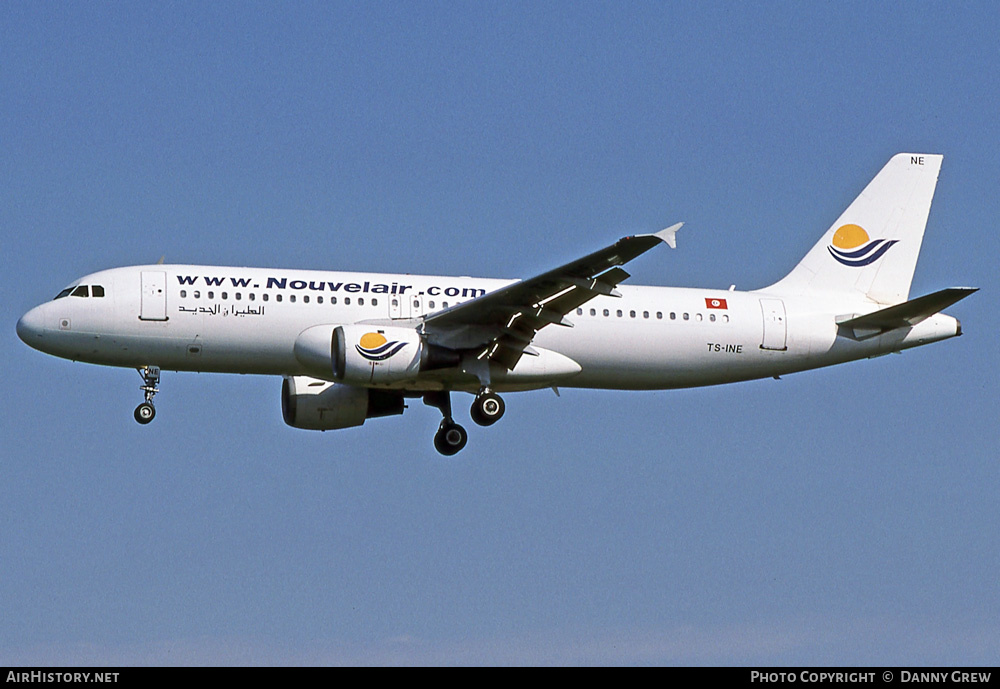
(145, 412)
(451, 437)
(487, 408)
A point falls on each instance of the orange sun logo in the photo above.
(374, 347)
(853, 247)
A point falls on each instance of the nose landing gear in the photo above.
(145, 412)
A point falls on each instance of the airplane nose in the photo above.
(31, 326)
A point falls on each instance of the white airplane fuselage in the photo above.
(351, 346)
(648, 338)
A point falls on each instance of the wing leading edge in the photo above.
(502, 324)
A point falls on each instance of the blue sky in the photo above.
(843, 516)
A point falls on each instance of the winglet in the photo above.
(669, 235)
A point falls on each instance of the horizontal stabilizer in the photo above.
(904, 315)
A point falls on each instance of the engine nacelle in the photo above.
(368, 354)
(320, 405)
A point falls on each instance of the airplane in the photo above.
(355, 346)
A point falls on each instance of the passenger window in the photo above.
(711, 317)
(444, 305)
(631, 314)
(579, 312)
(264, 296)
(645, 314)
(197, 294)
(239, 296)
(593, 312)
(430, 304)
(395, 302)
(225, 295)
(183, 293)
(81, 291)
(687, 317)
(277, 297)
(291, 298)
(606, 312)
(673, 316)
(361, 301)
(333, 300)
(347, 301)
(305, 299)
(252, 296)
(375, 302)
(319, 300)
(725, 318)
(659, 315)
(211, 295)
(97, 291)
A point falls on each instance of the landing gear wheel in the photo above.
(450, 438)
(487, 409)
(144, 413)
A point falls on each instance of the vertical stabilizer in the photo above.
(872, 249)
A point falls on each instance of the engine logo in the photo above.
(374, 347)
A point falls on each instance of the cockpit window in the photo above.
(82, 291)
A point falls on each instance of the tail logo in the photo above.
(374, 347)
(853, 247)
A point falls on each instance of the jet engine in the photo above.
(362, 354)
(320, 405)
(369, 354)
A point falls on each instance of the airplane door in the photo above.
(154, 296)
(775, 327)
(406, 306)
(416, 305)
(399, 306)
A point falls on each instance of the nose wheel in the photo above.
(488, 408)
(145, 412)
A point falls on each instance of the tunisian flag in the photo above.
(715, 303)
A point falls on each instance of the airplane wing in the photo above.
(502, 323)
